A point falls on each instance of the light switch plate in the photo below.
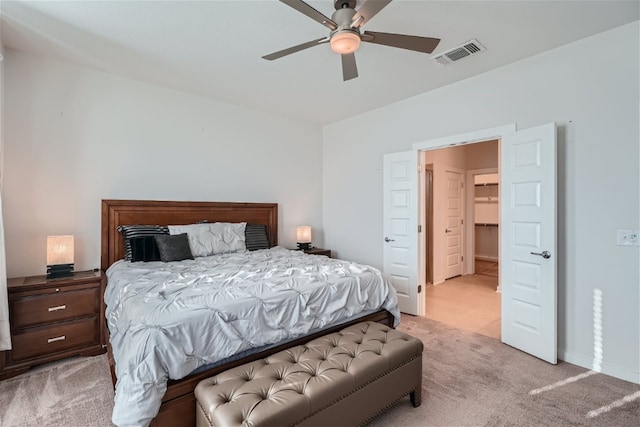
(628, 238)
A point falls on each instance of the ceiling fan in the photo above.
(345, 36)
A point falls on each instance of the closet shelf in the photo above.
(489, 199)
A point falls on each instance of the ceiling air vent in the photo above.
(457, 53)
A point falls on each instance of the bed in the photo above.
(178, 402)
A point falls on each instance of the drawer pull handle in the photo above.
(60, 338)
(58, 307)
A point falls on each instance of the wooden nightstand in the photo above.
(318, 251)
(52, 319)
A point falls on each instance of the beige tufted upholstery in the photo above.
(344, 378)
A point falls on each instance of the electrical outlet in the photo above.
(628, 238)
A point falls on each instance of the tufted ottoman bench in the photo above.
(341, 379)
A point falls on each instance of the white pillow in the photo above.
(214, 238)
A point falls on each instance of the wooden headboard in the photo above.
(152, 212)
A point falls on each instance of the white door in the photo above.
(528, 241)
(453, 225)
(400, 227)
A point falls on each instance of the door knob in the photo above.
(543, 254)
(386, 239)
(446, 230)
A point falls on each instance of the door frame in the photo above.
(452, 141)
(426, 207)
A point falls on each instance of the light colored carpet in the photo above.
(468, 380)
(75, 392)
(473, 380)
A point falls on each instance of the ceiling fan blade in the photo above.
(417, 43)
(294, 49)
(349, 67)
(368, 10)
(304, 8)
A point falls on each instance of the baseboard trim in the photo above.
(607, 368)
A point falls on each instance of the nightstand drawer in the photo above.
(42, 309)
(55, 338)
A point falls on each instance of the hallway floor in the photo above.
(467, 302)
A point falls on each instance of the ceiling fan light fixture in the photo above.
(345, 42)
(345, 36)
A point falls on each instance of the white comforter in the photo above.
(168, 319)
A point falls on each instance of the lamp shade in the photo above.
(59, 250)
(346, 41)
(303, 234)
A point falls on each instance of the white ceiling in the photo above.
(214, 48)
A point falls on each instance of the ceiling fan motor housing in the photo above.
(345, 38)
(344, 18)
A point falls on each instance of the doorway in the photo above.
(462, 263)
(528, 237)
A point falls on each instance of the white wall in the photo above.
(75, 136)
(598, 173)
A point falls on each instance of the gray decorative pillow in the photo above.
(173, 247)
(256, 237)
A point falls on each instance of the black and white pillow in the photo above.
(144, 249)
(256, 237)
(134, 231)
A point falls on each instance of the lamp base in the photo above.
(303, 246)
(59, 270)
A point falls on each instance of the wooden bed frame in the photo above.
(178, 404)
